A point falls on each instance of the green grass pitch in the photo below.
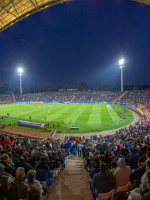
(88, 117)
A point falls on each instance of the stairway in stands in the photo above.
(73, 183)
(121, 96)
(73, 98)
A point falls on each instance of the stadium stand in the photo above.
(120, 162)
(124, 158)
(117, 164)
(39, 162)
(66, 96)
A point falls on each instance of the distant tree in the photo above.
(46, 88)
(4, 89)
(83, 87)
(10, 92)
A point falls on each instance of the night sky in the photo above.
(79, 41)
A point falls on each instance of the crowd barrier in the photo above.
(135, 109)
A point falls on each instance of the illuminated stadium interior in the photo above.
(73, 144)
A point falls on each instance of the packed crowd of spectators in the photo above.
(137, 97)
(120, 161)
(28, 167)
(134, 97)
(66, 96)
(6, 99)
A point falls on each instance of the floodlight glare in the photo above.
(20, 70)
(121, 62)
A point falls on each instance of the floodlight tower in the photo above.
(121, 65)
(20, 72)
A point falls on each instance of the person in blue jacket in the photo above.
(74, 150)
(68, 146)
(43, 172)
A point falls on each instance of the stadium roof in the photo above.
(143, 1)
(12, 11)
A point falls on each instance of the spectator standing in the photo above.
(102, 181)
(122, 174)
(33, 193)
(31, 181)
(43, 172)
(79, 149)
(20, 185)
(7, 141)
(68, 146)
(144, 179)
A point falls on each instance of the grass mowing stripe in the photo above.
(105, 117)
(95, 114)
(75, 113)
(54, 115)
(100, 112)
(84, 117)
(65, 113)
(37, 113)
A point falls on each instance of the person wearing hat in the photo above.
(7, 167)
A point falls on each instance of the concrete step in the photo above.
(73, 183)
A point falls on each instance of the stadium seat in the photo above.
(105, 196)
(123, 188)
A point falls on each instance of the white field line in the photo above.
(110, 114)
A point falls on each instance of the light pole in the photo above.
(20, 72)
(121, 65)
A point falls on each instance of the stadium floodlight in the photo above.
(121, 65)
(121, 62)
(20, 72)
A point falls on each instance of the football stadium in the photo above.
(89, 140)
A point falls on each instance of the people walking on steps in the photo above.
(79, 149)
(74, 151)
(68, 146)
